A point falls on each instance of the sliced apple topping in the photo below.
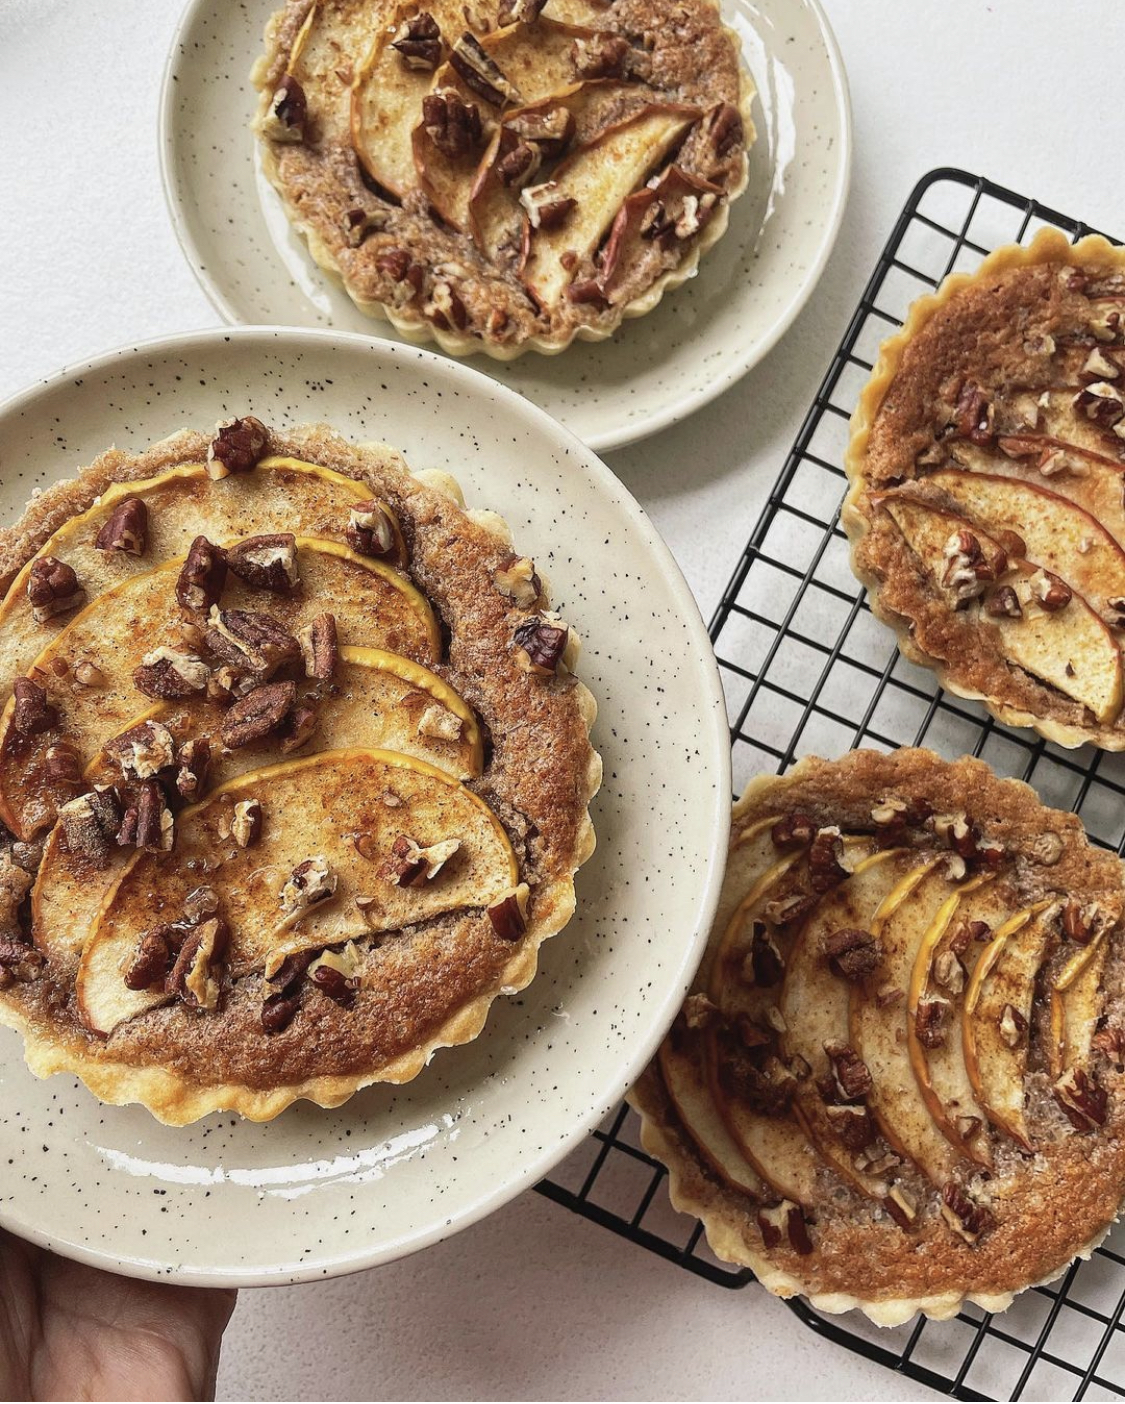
(597, 178)
(996, 1013)
(1076, 995)
(132, 634)
(315, 879)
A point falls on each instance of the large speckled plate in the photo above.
(315, 1192)
(658, 369)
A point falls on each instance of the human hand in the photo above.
(68, 1331)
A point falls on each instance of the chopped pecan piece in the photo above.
(445, 308)
(359, 223)
(410, 865)
(849, 1071)
(481, 73)
(266, 562)
(148, 823)
(930, 1020)
(541, 645)
(32, 714)
(1081, 921)
(19, 961)
(949, 973)
(15, 884)
(169, 673)
(53, 589)
(126, 529)
(1110, 1042)
(288, 112)
(974, 415)
(1052, 593)
(520, 11)
(320, 647)
(279, 1008)
(825, 868)
(371, 530)
(250, 640)
(1085, 1103)
(238, 446)
(901, 1207)
(751, 1033)
(1101, 402)
(517, 581)
(508, 914)
(405, 275)
(784, 1223)
(967, 572)
(519, 166)
(337, 974)
(723, 130)
(298, 729)
(763, 966)
(548, 129)
(603, 56)
(1013, 1025)
(793, 831)
(964, 1215)
(1003, 602)
(854, 1125)
(63, 763)
(202, 577)
(153, 960)
(90, 824)
(852, 953)
(786, 912)
(700, 1012)
(193, 763)
(546, 208)
(196, 976)
(309, 885)
(87, 674)
(418, 42)
(451, 123)
(143, 751)
(258, 714)
(247, 822)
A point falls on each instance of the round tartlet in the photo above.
(985, 504)
(294, 771)
(897, 1084)
(504, 176)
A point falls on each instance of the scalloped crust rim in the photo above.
(420, 332)
(177, 1102)
(1048, 246)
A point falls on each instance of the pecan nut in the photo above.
(519, 11)
(516, 580)
(480, 72)
(453, 125)
(850, 1074)
(784, 1223)
(143, 751)
(193, 764)
(288, 112)
(601, 56)
(53, 588)
(257, 715)
(546, 206)
(238, 446)
(762, 966)
(148, 823)
(247, 822)
(930, 1019)
(519, 165)
(266, 562)
(371, 530)
(251, 641)
(854, 1125)
(166, 674)
(541, 646)
(825, 853)
(965, 1216)
(127, 528)
(202, 577)
(196, 976)
(418, 42)
(548, 129)
(974, 415)
(852, 953)
(320, 647)
(156, 950)
(359, 223)
(32, 714)
(311, 884)
(1085, 1103)
(411, 865)
(793, 831)
(298, 729)
(405, 276)
(90, 824)
(508, 914)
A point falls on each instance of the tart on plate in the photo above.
(507, 175)
(897, 1082)
(294, 771)
(985, 506)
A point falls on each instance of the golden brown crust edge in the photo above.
(1048, 246)
(171, 1098)
(695, 1189)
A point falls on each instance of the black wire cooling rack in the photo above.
(808, 669)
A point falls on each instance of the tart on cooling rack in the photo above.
(897, 1084)
(510, 174)
(294, 772)
(986, 467)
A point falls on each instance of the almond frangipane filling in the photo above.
(263, 837)
(896, 1083)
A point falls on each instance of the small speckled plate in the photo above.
(316, 1193)
(658, 369)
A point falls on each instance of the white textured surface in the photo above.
(534, 1302)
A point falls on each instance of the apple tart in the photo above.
(294, 772)
(985, 504)
(509, 174)
(897, 1082)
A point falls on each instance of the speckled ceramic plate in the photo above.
(315, 1192)
(657, 369)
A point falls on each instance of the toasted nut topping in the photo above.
(1099, 366)
(752, 1034)
(519, 11)
(168, 673)
(854, 1125)
(889, 811)
(930, 1020)
(480, 72)
(546, 208)
(412, 866)
(850, 1073)
(53, 589)
(825, 868)
(1101, 402)
(298, 729)
(784, 1222)
(1082, 922)
(967, 572)
(418, 42)
(1052, 593)
(87, 674)
(148, 823)
(1013, 1025)
(289, 975)
(723, 130)
(974, 415)
(1001, 602)
(508, 915)
(852, 953)
(602, 56)
(949, 972)
(337, 974)
(127, 528)
(901, 1207)
(762, 966)
(90, 824)
(310, 884)
(453, 125)
(793, 831)
(519, 166)
(289, 111)
(320, 647)
(32, 714)
(1085, 1103)
(359, 223)
(246, 825)
(153, 961)
(257, 714)
(204, 573)
(964, 1215)
(371, 529)
(1110, 1042)
(699, 1012)
(440, 723)
(143, 751)
(250, 640)
(969, 1127)
(196, 977)
(193, 764)
(517, 581)
(889, 994)
(789, 911)
(405, 276)
(238, 446)
(267, 562)
(547, 129)
(64, 764)
(540, 646)
(445, 309)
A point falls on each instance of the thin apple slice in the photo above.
(995, 1044)
(1059, 535)
(814, 1000)
(681, 1060)
(1071, 649)
(281, 494)
(370, 600)
(385, 103)
(598, 178)
(879, 1033)
(776, 1147)
(312, 808)
(1076, 1006)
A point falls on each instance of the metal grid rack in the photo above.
(808, 669)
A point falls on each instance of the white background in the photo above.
(534, 1302)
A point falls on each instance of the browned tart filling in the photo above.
(986, 466)
(294, 772)
(897, 1084)
(505, 175)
